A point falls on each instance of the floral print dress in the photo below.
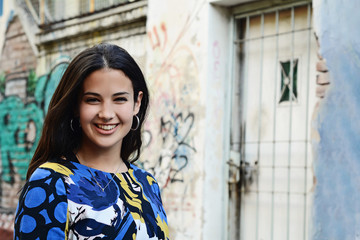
(61, 200)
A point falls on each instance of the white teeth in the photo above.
(106, 127)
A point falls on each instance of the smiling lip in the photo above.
(106, 128)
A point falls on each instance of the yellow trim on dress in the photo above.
(131, 174)
(163, 226)
(67, 224)
(57, 168)
(150, 180)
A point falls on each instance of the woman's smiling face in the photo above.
(106, 108)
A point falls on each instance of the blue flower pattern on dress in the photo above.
(62, 201)
(87, 192)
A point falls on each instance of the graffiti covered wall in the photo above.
(336, 213)
(23, 100)
(174, 151)
(19, 118)
(27, 83)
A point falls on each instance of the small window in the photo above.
(288, 90)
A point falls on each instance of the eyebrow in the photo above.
(114, 95)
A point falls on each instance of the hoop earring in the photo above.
(71, 125)
(137, 124)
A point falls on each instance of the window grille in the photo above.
(274, 71)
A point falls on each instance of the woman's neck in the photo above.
(107, 160)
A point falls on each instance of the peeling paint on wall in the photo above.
(336, 213)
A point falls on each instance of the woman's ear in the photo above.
(137, 103)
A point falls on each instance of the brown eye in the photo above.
(91, 100)
(120, 99)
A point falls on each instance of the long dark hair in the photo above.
(57, 138)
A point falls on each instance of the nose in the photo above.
(106, 113)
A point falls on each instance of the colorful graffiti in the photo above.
(176, 148)
(156, 40)
(175, 73)
(20, 126)
(172, 130)
(21, 123)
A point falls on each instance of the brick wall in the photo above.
(17, 57)
(17, 62)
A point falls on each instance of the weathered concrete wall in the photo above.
(187, 63)
(336, 213)
(175, 70)
(123, 25)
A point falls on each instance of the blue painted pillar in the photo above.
(336, 208)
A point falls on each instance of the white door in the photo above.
(274, 96)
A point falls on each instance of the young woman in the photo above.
(80, 184)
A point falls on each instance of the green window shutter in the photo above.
(288, 91)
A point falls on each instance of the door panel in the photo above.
(275, 81)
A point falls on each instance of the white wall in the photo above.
(217, 123)
(187, 62)
(176, 70)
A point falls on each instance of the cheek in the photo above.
(86, 113)
(126, 114)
